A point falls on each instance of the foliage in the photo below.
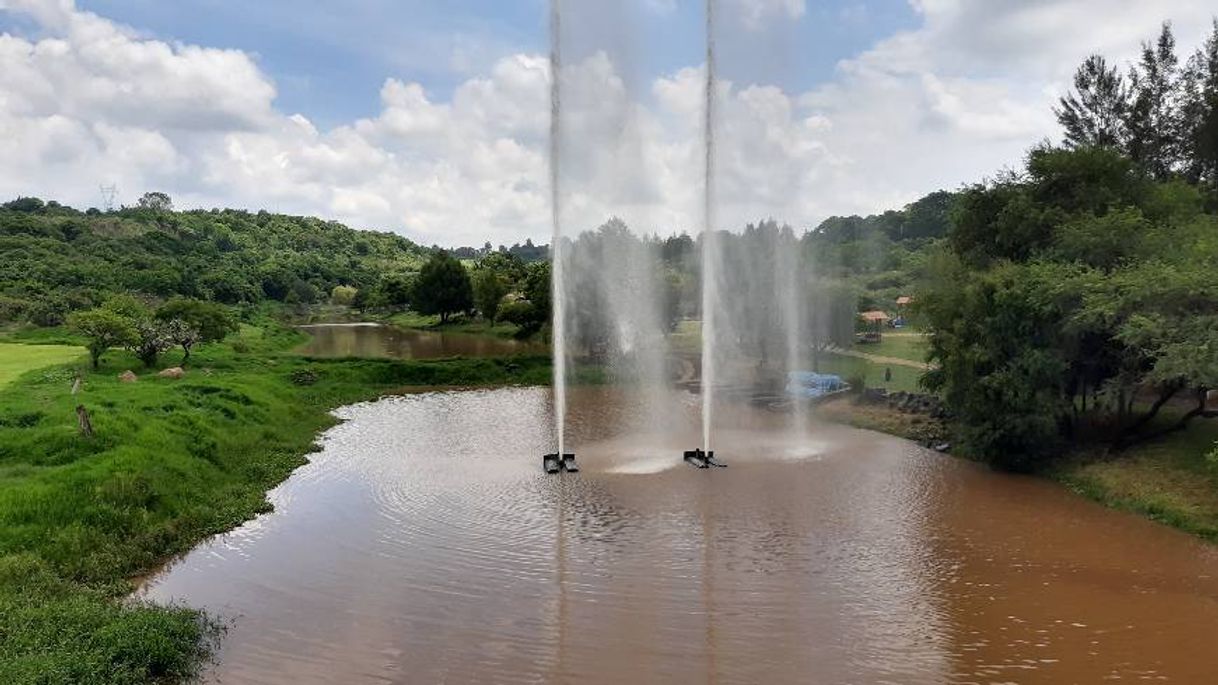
(343, 295)
(156, 201)
(1064, 294)
(488, 292)
(1094, 115)
(188, 322)
(59, 260)
(443, 287)
(1163, 117)
(104, 329)
(212, 321)
(171, 463)
(152, 337)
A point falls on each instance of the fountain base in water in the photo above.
(553, 463)
(703, 460)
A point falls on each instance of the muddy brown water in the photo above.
(424, 545)
(375, 340)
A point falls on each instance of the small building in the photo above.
(874, 321)
(876, 318)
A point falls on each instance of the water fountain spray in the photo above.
(705, 456)
(560, 460)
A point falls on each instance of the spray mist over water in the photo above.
(558, 297)
(623, 299)
(710, 242)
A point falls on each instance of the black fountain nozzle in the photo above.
(553, 463)
(703, 460)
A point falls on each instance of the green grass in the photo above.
(171, 463)
(903, 377)
(44, 336)
(1171, 480)
(16, 360)
(900, 346)
(457, 324)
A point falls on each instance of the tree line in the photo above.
(1161, 113)
(1076, 299)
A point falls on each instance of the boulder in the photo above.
(173, 372)
(128, 376)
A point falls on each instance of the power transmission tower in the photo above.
(108, 193)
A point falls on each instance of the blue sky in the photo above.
(329, 59)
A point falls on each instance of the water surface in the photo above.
(375, 340)
(424, 545)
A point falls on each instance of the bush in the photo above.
(520, 313)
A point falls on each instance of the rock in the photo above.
(875, 395)
(128, 376)
(943, 447)
(174, 372)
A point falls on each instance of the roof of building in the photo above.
(875, 315)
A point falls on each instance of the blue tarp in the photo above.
(811, 385)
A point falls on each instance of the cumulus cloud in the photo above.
(90, 101)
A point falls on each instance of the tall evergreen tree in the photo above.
(1094, 114)
(1199, 112)
(1152, 122)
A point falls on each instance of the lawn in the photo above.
(872, 373)
(910, 346)
(171, 462)
(1173, 479)
(17, 359)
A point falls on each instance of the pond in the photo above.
(376, 340)
(423, 544)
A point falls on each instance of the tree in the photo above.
(151, 339)
(488, 290)
(1094, 114)
(1199, 112)
(156, 201)
(342, 295)
(104, 328)
(394, 291)
(182, 334)
(1152, 119)
(507, 266)
(443, 287)
(29, 205)
(194, 321)
(1065, 295)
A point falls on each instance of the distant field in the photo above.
(16, 360)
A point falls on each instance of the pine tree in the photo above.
(1095, 113)
(1199, 112)
(1152, 120)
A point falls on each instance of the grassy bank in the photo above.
(171, 462)
(457, 324)
(1173, 480)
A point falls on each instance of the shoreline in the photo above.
(1153, 480)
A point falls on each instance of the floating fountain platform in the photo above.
(703, 460)
(553, 463)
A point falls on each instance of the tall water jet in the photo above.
(710, 247)
(560, 460)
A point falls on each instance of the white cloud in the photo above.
(963, 95)
(755, 13)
